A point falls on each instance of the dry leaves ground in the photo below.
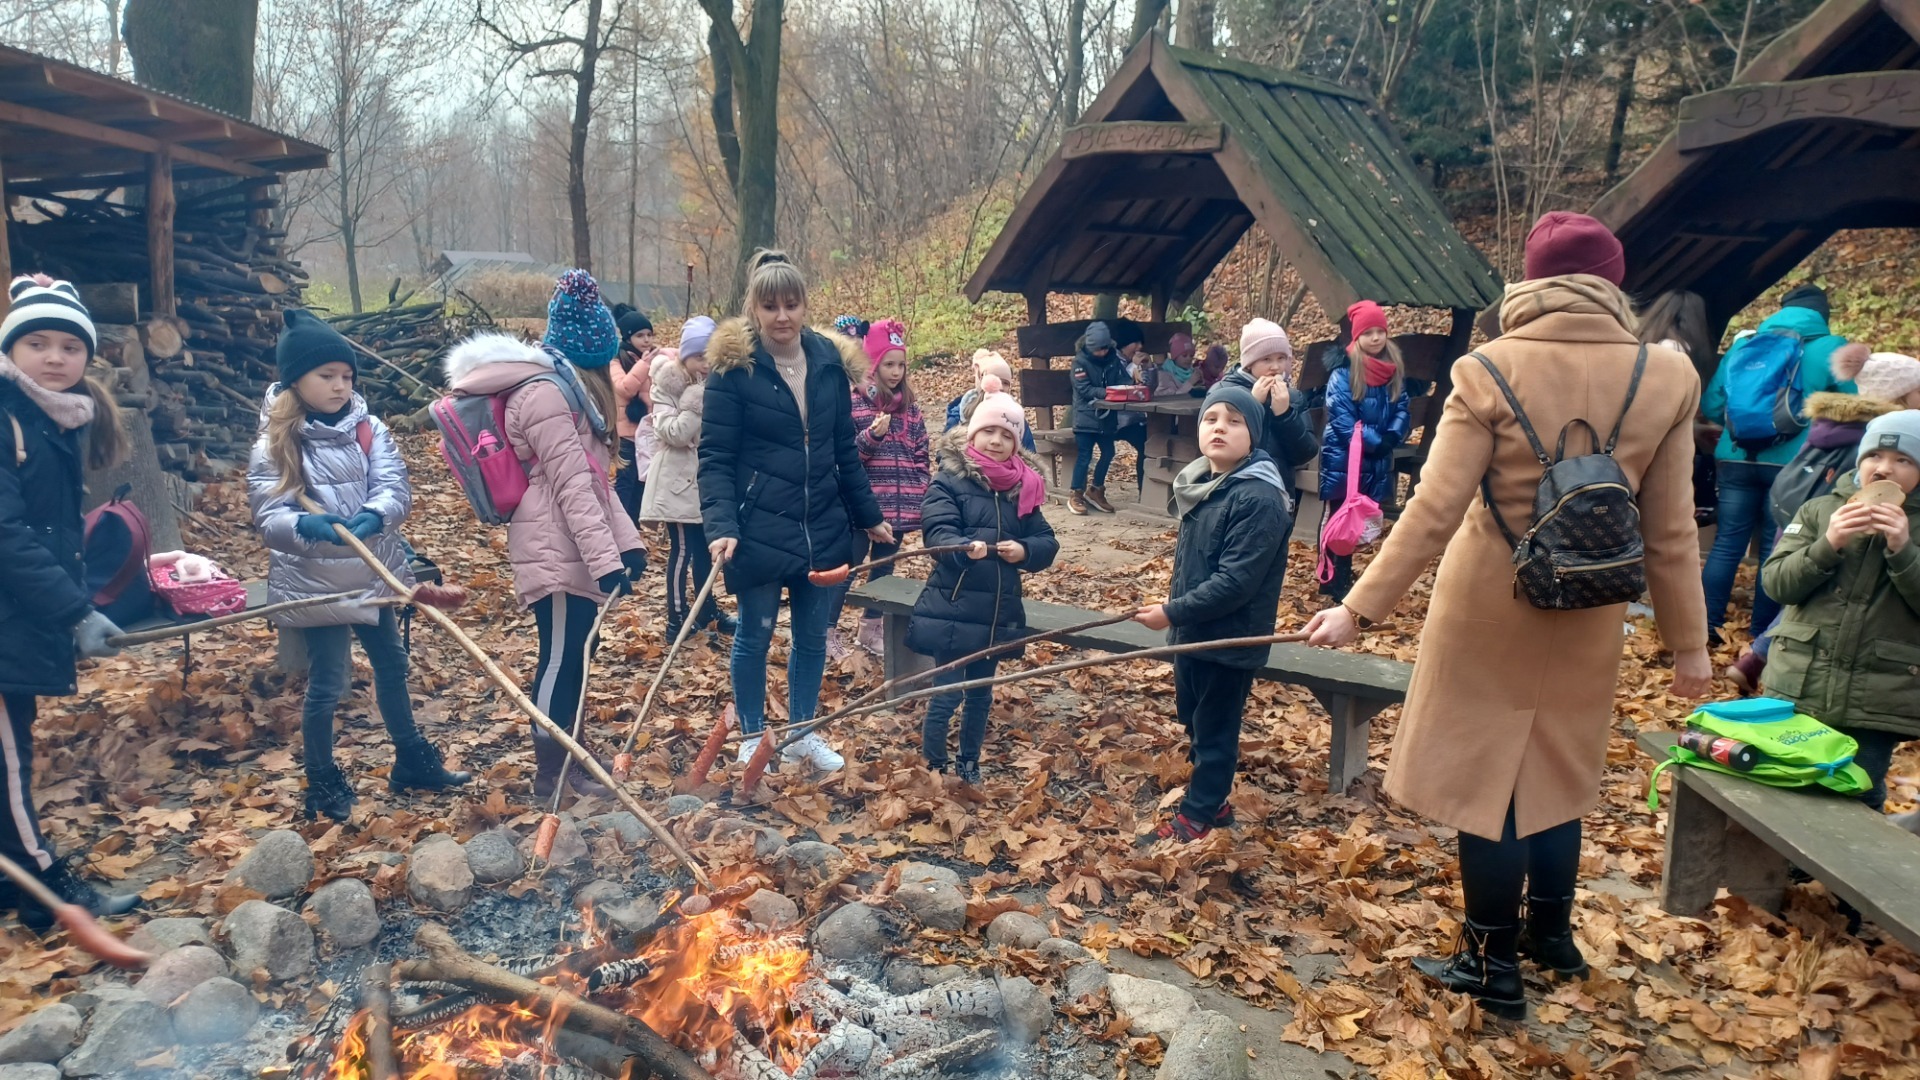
(167, 785)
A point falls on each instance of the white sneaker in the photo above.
(812, 750)
(747, 747)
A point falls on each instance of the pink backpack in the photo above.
(473, 439)
(1357, 521)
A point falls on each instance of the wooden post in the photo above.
(160, 204)
(1347, 748)
(897, 661)
(6, 252)
(1707, 851)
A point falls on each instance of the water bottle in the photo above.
(1721, 750)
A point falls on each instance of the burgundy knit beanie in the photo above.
(1563, 242)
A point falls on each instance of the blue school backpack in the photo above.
(1766, 403)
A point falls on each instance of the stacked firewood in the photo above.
(409, 339)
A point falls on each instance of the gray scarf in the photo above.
(1197, 482)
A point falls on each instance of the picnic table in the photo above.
(1173, 441)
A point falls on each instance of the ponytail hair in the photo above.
(599, 384)
(106, 440)
(1357, 369)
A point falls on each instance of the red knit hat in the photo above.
(1366, 315)
(1563, 242)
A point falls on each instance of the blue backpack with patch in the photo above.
(1766, 403)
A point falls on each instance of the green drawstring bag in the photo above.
(1796, 750)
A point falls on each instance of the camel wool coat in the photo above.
(1510, 703)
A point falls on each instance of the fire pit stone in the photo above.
(1017, 930)
(346, 913)
(125, 1028)
(176, 972)
(600, 894)
(937, 905)
(912, 872)
(856, 931)
(1207, 1047)
(810, 855)
(684, 804)
(771, 910)
(1155, 1008)
(623, 824)
(906, 976)
(494, 856)
(1027, 1010)
(568, 845)
(438, 876)
(29, 1071)
(159, 935)
(217, 1011)
(46, 1035)
(1060, 951)
(269, 938)
(1084, 980)
(279, 866)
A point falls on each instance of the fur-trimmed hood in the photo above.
(1847, 408)
(470, 365)
(950, 451)
(669, 378)
(733, 344)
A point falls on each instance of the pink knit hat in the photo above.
(1883, 377)
(1262, 338)
(997, 410)
(884, 337)
(987, 362)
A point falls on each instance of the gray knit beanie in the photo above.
(1897, 431)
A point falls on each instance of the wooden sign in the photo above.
(1142, 137)
(1887, 98)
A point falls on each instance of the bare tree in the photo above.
(746, 120)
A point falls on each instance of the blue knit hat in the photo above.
(579, 326)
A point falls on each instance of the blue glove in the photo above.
(318, 528)
(616, 583)
(366, 524)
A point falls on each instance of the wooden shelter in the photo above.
(1821, 132)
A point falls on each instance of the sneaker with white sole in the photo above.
(813, 751)
(747, 747)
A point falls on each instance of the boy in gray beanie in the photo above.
(1847, 649)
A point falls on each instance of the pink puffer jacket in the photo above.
(569, 530)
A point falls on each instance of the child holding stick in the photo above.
(672, 495)
(54, 422)
(316, 438)
(989, 495)
(1227, 571)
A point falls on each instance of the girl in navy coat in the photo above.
(986, 494)
(1371, 391)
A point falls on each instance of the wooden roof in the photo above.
(1758, 175)
(1314, 164)
(64, 127)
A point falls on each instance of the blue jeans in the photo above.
(806, 661)
(1086, 442)
(1744, 487)
(940, 709)
(330, 669)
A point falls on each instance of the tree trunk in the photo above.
(1076, 64)
(1622, 102)
(757, 90)
(1196, 24)
(1146, 15)
(633, 173)
(577, 139)
(724, 132)
(201, 50)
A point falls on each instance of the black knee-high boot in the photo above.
(1485, 964)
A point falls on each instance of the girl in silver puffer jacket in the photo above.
(316, 439)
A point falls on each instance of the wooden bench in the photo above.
(256, 597)
(1726, 832)
(1043, 390)
(1352, 687)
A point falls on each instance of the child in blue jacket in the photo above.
(1370, 391)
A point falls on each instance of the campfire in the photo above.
(701, 992)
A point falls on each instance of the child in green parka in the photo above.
(1847, 649)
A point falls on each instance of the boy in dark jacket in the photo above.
(988, 495)
(1095, 367)
(1227, 569)
(1847, 648)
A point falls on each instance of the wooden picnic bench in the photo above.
(1731, 833)
(1352, 687)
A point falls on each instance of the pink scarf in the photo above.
(1009, 474)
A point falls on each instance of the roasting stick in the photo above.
(82, 927)
(520, 699)
(145, 637)
(840, 574)
(623, 761)
(550, 825)
(376, 997)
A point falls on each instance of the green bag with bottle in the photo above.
(1795, 749)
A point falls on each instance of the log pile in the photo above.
(410, 338)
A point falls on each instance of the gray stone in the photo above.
(438, 876)
(854, 932)
(86, 1001)
(1207, 1047)
(918, 871)
(768, 845)
(1017, 930)
(1058, 950)
(568, 845)
(1028, 1012)
(633, 916)
(1315, 967)
(905, 977)
(623, 824)
(271, 939)
(173, 974)
(160, 935)
(1151, 1007)
(494, 857)
(33, 1071)
(279, 865)
(46, 1035)
(347, 914)
(770, 909)
(124, 1031)
(600, 894)
(684, 804)
(936, 904)
(216, 1011)
(811, 855)
(1084, 980)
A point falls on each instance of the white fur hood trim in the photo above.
(492, 347)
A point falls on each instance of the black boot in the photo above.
(1485, 966)
(328, 793)
(724, 624)
(69, 886)
(675, 623)
(417, 765)
(1547, 939)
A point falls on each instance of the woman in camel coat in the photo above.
(1504, 733)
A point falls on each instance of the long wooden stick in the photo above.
(624, 759)
(841, 574)
(144, 637)
(82, 927)
(447, 962)
(521, 700)
(376, 997)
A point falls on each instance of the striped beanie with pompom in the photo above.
(42, 303)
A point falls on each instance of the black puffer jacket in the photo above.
(41, 571)
(969, 604)
(1230, 561)
(1289, 440)
(790, 491)
(1091, 377)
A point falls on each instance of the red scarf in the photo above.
(1379, 372)
(1009, 474)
